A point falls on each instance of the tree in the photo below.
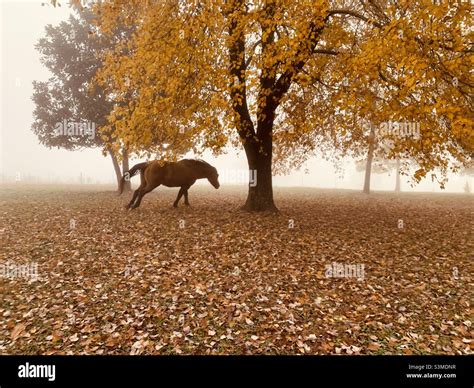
(285, 74)
(397, 175)
(468, 171)
(379, 166)
(68, 100)
(370, 157)
(379, 151)
(416, 74)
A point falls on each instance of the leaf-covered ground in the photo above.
(211, 279)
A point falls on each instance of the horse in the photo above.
(183, 174)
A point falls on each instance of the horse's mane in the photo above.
(199, 163)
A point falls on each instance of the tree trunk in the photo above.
(260, 194)
(397, 183)
(125, 167)
(115, 162)
(368, 166)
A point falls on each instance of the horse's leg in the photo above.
(186, 198)
(138, 200)
(135, 194)
(150, 181)
(180, 194)
(141, 194)
(142, 191)
(137, 191)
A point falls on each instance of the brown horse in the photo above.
(172, 174)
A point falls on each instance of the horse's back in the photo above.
(175, 174)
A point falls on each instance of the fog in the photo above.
(23, 158)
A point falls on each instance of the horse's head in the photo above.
(213, 177)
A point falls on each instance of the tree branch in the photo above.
(355, 14)
(252, 52)
(325, 51)
(237, 67)
(284, 81)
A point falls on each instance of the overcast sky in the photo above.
(22, 24)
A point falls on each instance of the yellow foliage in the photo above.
(306, 73)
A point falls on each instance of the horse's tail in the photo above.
(128, 174)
